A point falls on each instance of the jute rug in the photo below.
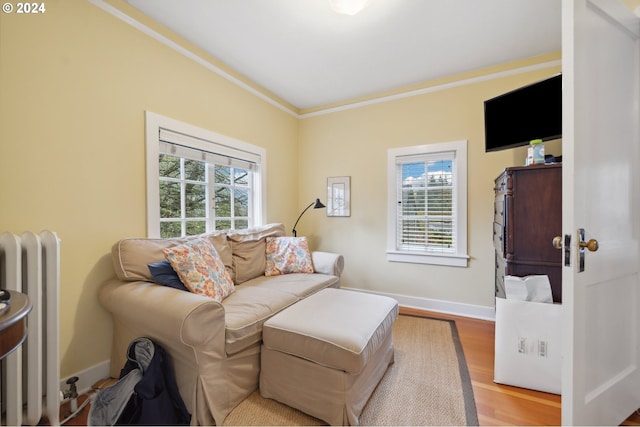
(428, 384)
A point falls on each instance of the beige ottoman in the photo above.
(325, 355)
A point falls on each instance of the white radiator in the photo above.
(30, 263)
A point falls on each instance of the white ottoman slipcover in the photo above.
(325, 355)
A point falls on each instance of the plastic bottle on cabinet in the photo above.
(535, 154)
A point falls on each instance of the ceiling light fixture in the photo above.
(348, 7)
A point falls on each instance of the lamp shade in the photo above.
(318, 204)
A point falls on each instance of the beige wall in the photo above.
(74, 85)
(355, 143)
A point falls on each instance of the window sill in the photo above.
(450, 260)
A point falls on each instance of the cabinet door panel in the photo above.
(537, 214)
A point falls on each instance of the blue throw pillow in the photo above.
(164, 274)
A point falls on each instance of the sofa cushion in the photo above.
(248, 249)
(256, 300)
(131, 256)
(200, 268)
(245, 312)
(300, 285)
(287, 255)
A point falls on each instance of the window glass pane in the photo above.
(223, 175)
(195, 201)
(194, 171)
(413, 233)
(196, 227)
(241, 202)
(170, 229)
(413, 206)
(169, 166)
(412, 173)
(240, 176)
(426, 214)
(170, 199)
(413, 201)
(223, 224)
(440, 233)
(440, 171)
(241, 224)
(223, 202)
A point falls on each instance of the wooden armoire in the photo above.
(527, 216)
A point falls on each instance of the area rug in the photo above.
(428, 384)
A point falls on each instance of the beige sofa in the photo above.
(214, 346)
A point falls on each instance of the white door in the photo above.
(601, 192)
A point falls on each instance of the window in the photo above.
(427, 213)
(199, 181)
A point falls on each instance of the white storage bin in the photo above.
(528, 349)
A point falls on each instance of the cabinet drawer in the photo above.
(498, 210)
(498, 237)
(500, 271)
(501, 184)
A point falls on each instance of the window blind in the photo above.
(193, 148)
(426, 200)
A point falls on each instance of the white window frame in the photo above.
(457, 258)
(198, 138)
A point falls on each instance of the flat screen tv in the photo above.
(531, 112)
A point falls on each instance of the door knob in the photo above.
(557, 242)
(592, 245)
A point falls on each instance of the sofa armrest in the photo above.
(171, 317)
(328, 263)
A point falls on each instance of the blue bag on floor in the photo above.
(145, 394)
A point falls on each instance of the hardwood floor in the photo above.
(496, 404)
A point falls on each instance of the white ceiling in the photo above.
(310, 56)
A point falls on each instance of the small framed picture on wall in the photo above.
(339, 196)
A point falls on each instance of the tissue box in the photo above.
(528, 345)
(530, 288)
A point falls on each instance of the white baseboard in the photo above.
(88, 377)
(439, 306)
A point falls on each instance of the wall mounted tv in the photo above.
(532, 112)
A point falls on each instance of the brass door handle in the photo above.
(592, 245)
(557, 242)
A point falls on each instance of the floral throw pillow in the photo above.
(200, 268)
(288, 255)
